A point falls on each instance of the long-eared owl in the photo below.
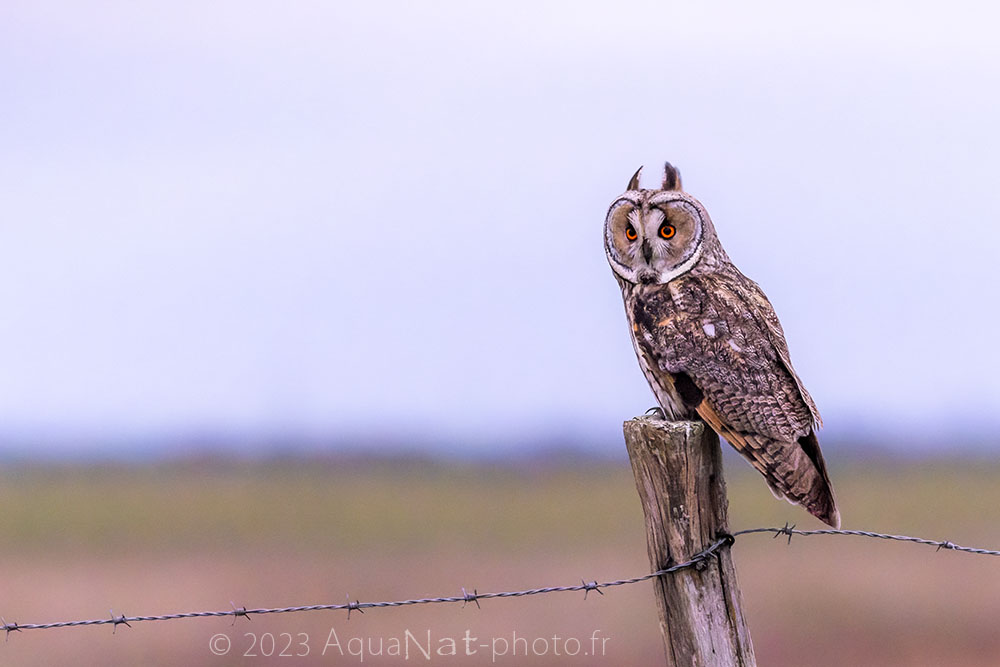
(709, 342)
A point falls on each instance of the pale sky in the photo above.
(332, 220)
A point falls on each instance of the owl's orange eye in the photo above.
(667, 231)
(630, 233)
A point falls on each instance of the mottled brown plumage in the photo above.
(710, 343)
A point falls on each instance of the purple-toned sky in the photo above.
(322, 220)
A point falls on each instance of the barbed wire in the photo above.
(790, 530)
(698, 561)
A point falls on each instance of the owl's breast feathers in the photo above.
(717, 343)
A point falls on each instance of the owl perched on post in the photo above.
(709, 342)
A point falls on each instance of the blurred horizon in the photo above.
(544, 448)
(254, 229)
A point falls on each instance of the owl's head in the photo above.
(654, 236)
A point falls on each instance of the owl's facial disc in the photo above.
(623, 235)
(652, 237)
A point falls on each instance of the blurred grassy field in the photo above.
(164, 538)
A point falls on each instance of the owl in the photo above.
(709, 343)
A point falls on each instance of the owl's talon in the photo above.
(656, 412)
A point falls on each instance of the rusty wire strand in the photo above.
(698, 561)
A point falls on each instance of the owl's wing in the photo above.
(718, 340)
(759, 304)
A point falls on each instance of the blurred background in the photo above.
(311, 299)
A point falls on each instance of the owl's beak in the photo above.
(647, 250)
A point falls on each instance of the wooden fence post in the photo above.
(678, 472)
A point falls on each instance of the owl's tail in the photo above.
(799, 476)
(795, 470)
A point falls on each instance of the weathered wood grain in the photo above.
(678, 473)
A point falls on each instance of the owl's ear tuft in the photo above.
(633, 183)
(671, 177)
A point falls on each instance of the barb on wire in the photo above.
(592, 586)
(116, 621)
(242, 611)
(9, 628)
(698, 561)
(470, 598)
